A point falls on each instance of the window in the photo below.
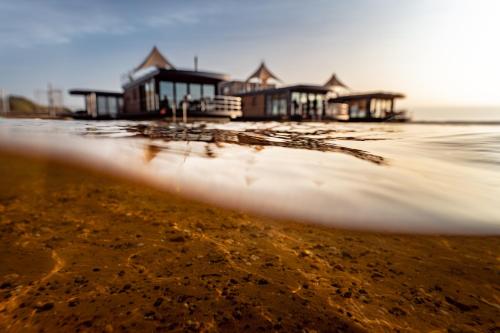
(357, 110)
(167, 92)
(208, 90)
(282, 106)
(112, 106)
(195, 91)
(319, 105)
(151, 101)
(276, 105)
(303, 98)
(150, 95)
(181, 91)
(296, 105)
(102, 106)
(146, 95)
(120, 104)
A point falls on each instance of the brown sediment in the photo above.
(83, 252)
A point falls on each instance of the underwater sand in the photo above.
(81, 251)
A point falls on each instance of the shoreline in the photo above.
(83, 251)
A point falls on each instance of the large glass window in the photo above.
(375, 107)
(303, 98)
(276, 105)
(357, 110)
(195, 91)
(167, 93)
(180, 92)
(151, 96)
(120, 104)
(102, 105)
(113, 106)
(208, 91)
(282, 106)
(146, 94)
(295, 107)
(320, 105)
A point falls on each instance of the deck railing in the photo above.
(219, 105)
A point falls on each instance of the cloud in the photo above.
(181, 17)
(25, 23)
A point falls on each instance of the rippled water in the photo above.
(397, 177)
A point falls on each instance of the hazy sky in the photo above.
(438, 52)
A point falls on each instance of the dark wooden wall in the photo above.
(253, 105)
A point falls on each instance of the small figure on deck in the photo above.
(164, 106)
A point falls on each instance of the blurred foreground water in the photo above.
(427, 178)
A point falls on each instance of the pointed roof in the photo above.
(155, 59)
(263, 74)
(335, 82)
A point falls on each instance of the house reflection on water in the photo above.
(156, 88)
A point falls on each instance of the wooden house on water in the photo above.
(99, 104)
(156, 88)
(265, 101)
(367, 107)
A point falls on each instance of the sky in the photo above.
(437, 52)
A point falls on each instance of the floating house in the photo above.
(156, 88)
(99, 104)
(166, 90)
(295, 102)
(290, 102)
(375, 106)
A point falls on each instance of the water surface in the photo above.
(389, 177)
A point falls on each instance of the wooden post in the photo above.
(4, 99)
(51, 100)
(368, 113)
(93, 105)
(184, 111)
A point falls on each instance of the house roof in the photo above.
(178, 75)
(364, 96)
(97, 92)
(305, 88)
(263, 74)
(155, 59)
(335, 82)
